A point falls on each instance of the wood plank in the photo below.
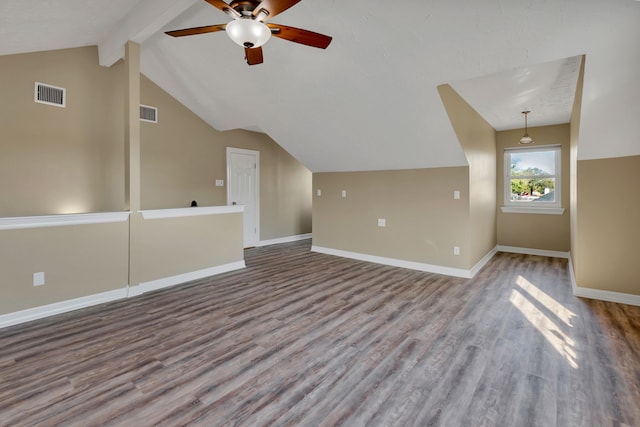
(300, 338)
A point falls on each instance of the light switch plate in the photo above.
(319, 192)
(456, 195)
(219, 182)
(344, 193)
(38, 279)
(382, 222)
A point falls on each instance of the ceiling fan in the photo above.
(250, 30)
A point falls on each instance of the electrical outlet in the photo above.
(456, 250)
(382, 222)
(38, 279)
(219, 182)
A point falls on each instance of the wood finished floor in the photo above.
(305, 339)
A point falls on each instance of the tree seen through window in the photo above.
(532, 175)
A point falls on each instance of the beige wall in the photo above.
(168, 247)
(423, 221)
(85, 260)
(605, 242)
(478, 141)
(182, 157)
(608, 236)
(61, 160)
(78, 260)
(72, 160)
(535, 231)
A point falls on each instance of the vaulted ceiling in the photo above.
(370, 100)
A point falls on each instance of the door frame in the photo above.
(256, 213)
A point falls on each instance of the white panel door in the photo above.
(243, 168)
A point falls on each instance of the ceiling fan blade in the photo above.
(301, 36)
(197, 30)
(272, 8)
(253, 55)
(224, 7)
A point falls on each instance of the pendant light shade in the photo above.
(526, 139)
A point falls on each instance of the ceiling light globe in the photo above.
(248, 32)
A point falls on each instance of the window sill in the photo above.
(532, 210)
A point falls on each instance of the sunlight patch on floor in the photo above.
(560, 341)
(551, 304)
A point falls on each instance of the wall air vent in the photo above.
(50, 95)
(148, 114)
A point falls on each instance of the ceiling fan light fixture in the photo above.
(526, 139)
(248, 32)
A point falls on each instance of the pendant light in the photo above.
(526, 139)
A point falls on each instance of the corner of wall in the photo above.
(574, 138)
(477, 139)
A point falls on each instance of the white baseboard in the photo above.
(529, 251)
(35, 313)
(30, 314)
(284, 239)
(166, 282)
(485, 259)
(429, 268)
(599, 294)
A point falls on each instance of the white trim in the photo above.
(134, 291)
(617, 297)
(30, 314)
(429, 268)
(15, 223)
(533, 148)
(532, 210)
(529, 251)
(572, 276)
(598, 294)
(485, 259)
(284, 239)
(195, 211)
(539, 207)
(166, 282)
(35, 313)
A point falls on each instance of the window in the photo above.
(532, 180)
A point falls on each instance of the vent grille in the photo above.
(50, 95)
(148, 114)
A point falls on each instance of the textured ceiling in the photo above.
(370, 101)
(546, 90)
(35, 25)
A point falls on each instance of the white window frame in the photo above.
(550, 208)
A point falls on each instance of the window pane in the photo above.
(533, 190)
(533, 163)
